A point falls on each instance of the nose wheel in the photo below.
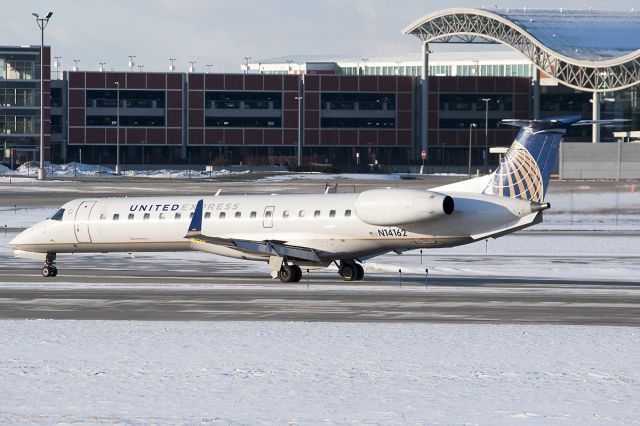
(49, 269)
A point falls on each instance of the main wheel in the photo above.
(54, 271)
(47, 271)
(297, 273)
(286, 274)
(348, 273)
(359, 272)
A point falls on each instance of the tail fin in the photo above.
(525, 170)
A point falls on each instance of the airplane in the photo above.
(293, 231)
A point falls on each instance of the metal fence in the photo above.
(599, 161)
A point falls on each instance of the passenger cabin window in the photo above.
(58, 215)
(191, 215)
(268, 214)
(103, 216)
(285, 214)
(146, 216)
(301, 213)
(332, 213)
(207, 215)
(116, 216)
(162, 216)
(347, 213)
(253, 215)
(223, 215)
(177, 216)
(238, 215)
(131, 216)
(316, 213)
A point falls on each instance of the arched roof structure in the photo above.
(591, 50)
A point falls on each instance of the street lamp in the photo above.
(102, 64)
(192, 66)
(246, 63)
(131, 62)
(208, 68)
(486, 129)
(364, 65)
(42, 24)
(140, 68)
(75, 65)
(172, 67)
(299, 99)
(471, 126)
(117, 127)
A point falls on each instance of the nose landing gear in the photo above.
(49, 269)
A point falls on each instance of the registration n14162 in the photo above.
(392, 232)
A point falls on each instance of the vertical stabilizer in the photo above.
(525, 169)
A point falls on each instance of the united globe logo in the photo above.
(518, 176)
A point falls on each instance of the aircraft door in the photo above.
(267, 218)
(81, 226)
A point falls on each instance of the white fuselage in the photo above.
(330, 224)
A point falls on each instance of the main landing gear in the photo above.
(349, 270)
(289, 273)
(49, 269)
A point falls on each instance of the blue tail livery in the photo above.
(525, 169)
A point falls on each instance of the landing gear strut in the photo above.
(49, 269)
(349, 270)
(289, 273)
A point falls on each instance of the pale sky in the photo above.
(222, 32)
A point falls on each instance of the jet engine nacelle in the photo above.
(389, 207)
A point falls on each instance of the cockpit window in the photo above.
(58, 215)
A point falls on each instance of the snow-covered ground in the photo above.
(316, 373)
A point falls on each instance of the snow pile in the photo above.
(326, 176)
(4, 169)
(312, 373)
(63, 170)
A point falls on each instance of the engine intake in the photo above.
(391, 207)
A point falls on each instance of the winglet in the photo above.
(195, 227)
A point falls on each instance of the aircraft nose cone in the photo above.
(20, 239)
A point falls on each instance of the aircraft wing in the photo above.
(275, 248)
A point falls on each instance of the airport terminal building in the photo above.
(346, 112)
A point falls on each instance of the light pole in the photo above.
(471, 126)
(42, 24)
(208, 68)
(246, 63)
(131, 62)
(486, 130)
(172, 67)
(57, 65)
(75, 65)
(102, 64)
(299, 98)
(117, 127)
(192, 66)
(364, 65)
(140, 68)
